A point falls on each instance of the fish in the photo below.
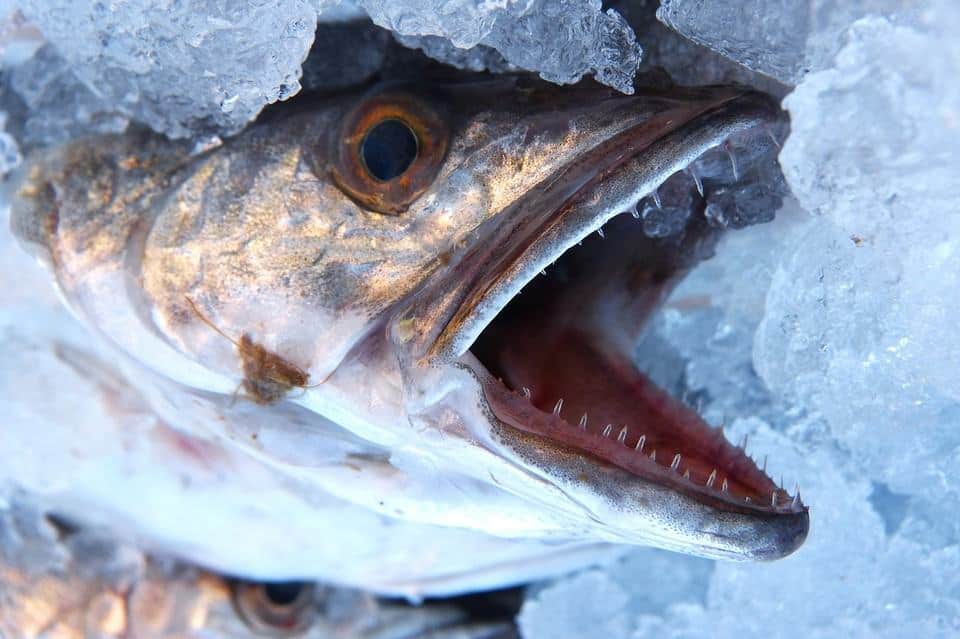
(420, 299)
(60, 581)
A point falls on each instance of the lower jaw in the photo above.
(632, 425)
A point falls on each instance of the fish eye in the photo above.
(276, 608)
(388, 150)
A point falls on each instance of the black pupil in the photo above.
(389, 149)
(282, 594)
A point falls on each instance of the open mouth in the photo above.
(556, 357)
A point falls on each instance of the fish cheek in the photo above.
(388, 150)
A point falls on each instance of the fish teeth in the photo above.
(583, 422)
(724, 486)
(686, 474)
(675, 464)
(653, 455)
(557, 407)
(733, 160)
(696, 180)
(600, 233)
(526, 392)
(656, 199)
(622, 437)
(712, 478)
(607, 430)
(640, 443)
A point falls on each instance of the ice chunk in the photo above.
(685, 61)
(766, 36)
(860, 319)
(9, 151)
(782, 38)
(741, 206)
(344, 54)
(180, 68)
(209, 69)
(476, 58)
(590, 604)
(56, 105)
(562, 41)
(608, 603)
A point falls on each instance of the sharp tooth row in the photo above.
(724, 168)
(696, 180)
(677, 457)
(733, 160)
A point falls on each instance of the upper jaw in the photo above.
(516, 244)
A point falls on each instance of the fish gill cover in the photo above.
(827, 336)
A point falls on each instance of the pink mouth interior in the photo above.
(562, 377)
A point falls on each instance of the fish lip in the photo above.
(470, 306)
(779, 535)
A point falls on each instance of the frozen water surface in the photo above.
(828, 336)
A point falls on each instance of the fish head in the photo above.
(376, 257)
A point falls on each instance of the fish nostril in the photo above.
(388, 149)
